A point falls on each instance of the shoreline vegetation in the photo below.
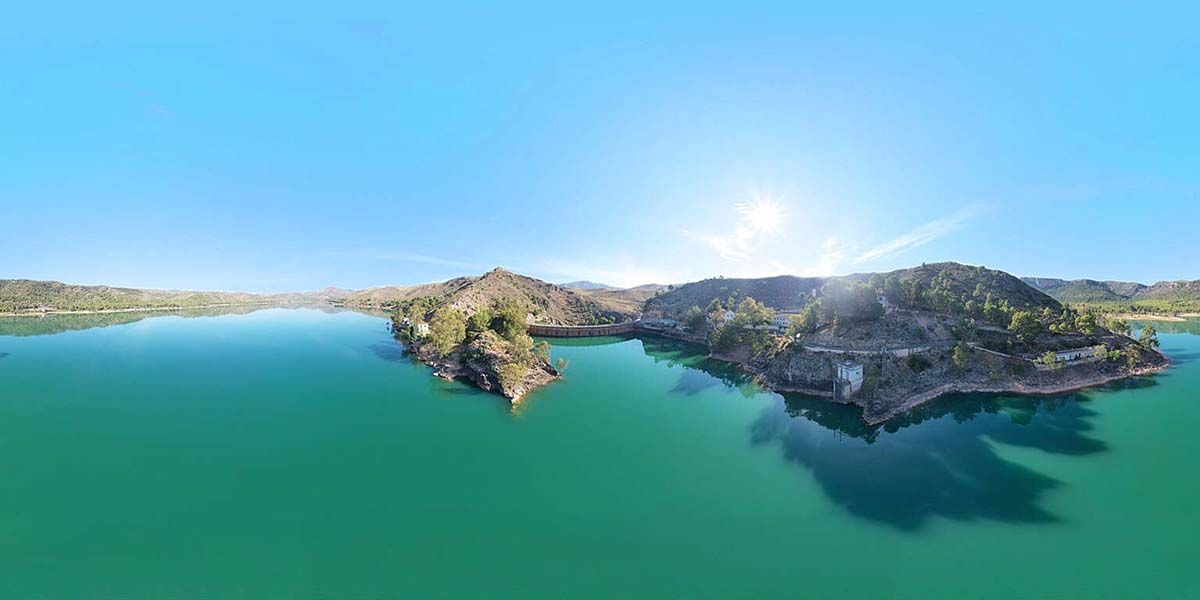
(888, 343)
(1172, 318)
(489, 347)
(51, 313)
(921, 398)
(885, 342)
(25, 297)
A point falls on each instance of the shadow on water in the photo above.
(936, 461)
(3, 354)
(390, 351)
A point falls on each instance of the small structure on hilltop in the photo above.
(848, 382)
(420, 329)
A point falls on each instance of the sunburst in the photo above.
(762, 215)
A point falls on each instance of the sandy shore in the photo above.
(1172, 318)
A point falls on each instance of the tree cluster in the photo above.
(449, 328)
(749, 327)
(845, 301)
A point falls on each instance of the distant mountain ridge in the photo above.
(1164, 295)
(27, 295)
(584, 302)
(788, 293)
(587, 285)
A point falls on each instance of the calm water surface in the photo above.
(299, 454)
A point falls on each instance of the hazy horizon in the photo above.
(556, 282)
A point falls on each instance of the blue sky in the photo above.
(278, 148)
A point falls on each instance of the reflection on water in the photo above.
(1191, 326)
(51, 324)
(606, 340)
(937, 460)
(701, 371)
(59, 323)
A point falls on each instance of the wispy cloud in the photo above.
(620, 270)
(832, 255)
(151, 103)
(922, 235)
(732, 246)
(761, 216)
(400, 256)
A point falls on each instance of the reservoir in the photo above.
(299, 453)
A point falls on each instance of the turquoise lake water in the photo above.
(296, 453)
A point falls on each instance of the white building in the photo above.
(1075, 354)
(420, 329)
(849, 380)
(851, 373)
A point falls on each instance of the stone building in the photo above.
(849, 380)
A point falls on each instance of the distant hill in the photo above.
(392, 295)
(1171, 292)
(782, 293)
(1081, 291)
(586, 285)
(329, 293)
(548, 303)
(1164, 296)
(787, 293)
(25, 295)
(962, 280)
(631, 300)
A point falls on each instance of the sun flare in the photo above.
(763, 215)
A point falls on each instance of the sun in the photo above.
(762, 215)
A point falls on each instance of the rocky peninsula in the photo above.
(476, 328)
(883, 342)
(890, 342)
(488, 361)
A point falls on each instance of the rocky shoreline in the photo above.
(1016, 388)
(483, 362)
(900, 399)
